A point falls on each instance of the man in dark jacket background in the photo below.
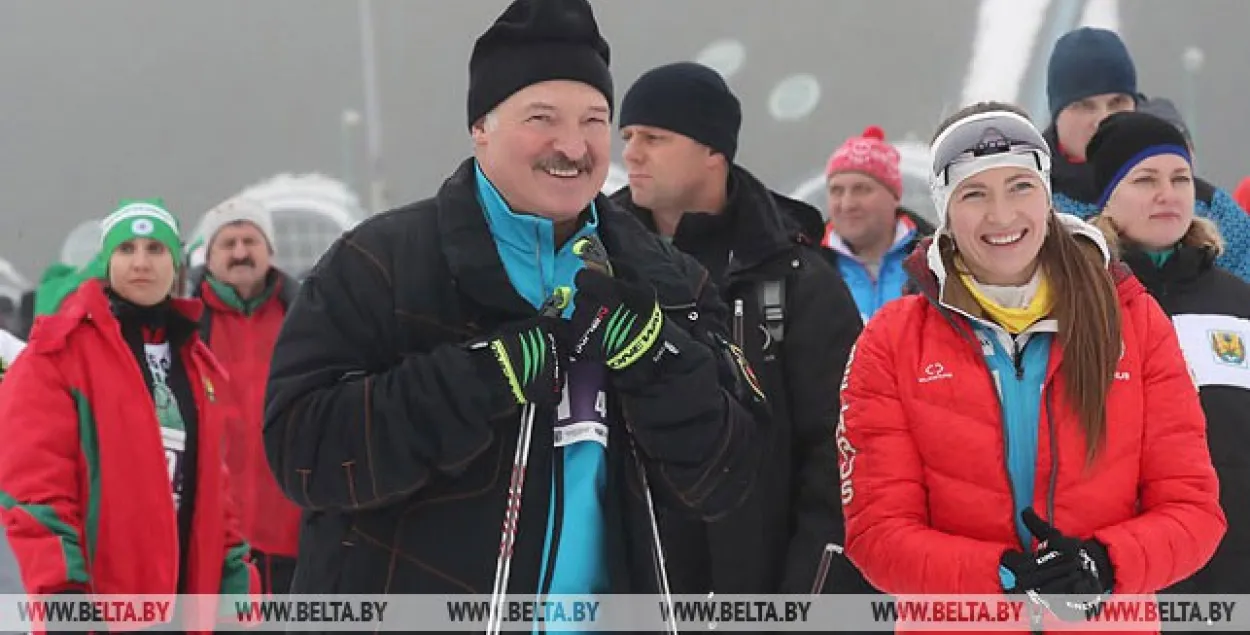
(421, 347)
(793, 317)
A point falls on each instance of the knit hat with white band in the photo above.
(144, 218)
(982, 142)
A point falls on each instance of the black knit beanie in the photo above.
(689, 99)
(1125, 139)
(1088, 62)
(535, 41)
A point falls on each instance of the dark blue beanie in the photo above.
(689, 99)
(1088, 62)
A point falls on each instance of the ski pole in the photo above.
(595, 256)
(516, 485)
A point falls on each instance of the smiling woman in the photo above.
(1020, 265)
(998, 219)
(1062, 509)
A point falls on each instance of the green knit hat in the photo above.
(141, 218)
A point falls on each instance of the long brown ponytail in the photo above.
(1088, 311)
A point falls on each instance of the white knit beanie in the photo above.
(237, 209)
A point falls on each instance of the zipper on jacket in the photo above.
(1047, 393)
(1017, 362)
(737, 326)
(1017, 358)
(1054, 456)
(557, 526)
(538, 263)
(678, 307)
(1035, 619)
(822, 571)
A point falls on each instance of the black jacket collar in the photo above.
(756, 226)
(1074, 180)
(1184, 267)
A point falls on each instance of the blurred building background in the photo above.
(195, 101)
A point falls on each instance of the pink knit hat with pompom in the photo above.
(869, 154)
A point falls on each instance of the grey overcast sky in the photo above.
(195, 99)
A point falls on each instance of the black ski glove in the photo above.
(1067, 576)
(526, 357)
(614, 321)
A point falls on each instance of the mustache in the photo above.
(560, 161)
(242, 262)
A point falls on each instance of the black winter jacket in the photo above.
(379, 423)
(1211, 309)
(788, 537)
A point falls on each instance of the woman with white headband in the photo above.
(111, 471)
(1144, 173)
(1026, 424)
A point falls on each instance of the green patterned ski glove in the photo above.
(613, 321)
(527, 357)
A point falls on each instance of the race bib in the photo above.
(175, 442)
(583, 411)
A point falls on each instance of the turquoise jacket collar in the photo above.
(526, 245)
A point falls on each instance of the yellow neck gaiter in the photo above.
(1014, 320)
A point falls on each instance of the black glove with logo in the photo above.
(615, 322)
(1067, 576)
(526, 357)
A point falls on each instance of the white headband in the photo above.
(982, 142)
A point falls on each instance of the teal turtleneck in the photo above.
(1160, 257)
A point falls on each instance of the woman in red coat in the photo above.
(111, 471)
(1026, 424)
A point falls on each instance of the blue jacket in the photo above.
(1018, 366)
(527, 248)
(871, 294)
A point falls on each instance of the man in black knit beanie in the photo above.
(793, 318)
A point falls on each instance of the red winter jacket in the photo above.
(243, 343)
(925, 488)
(83, 474)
